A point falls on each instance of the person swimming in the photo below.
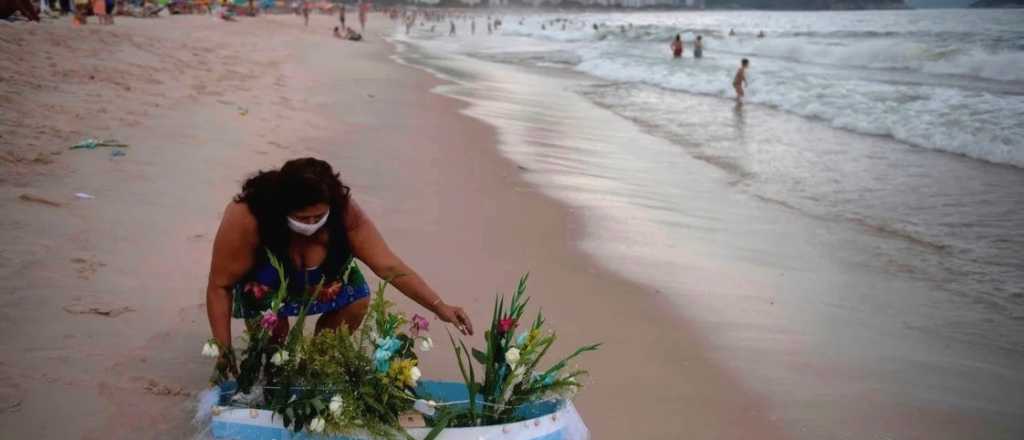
(740, 80)
(698, 47)
(760, 34)
(677, 47)
(732, 32)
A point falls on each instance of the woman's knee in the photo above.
(352, 315)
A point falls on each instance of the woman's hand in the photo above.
(226, 364)
(456, 316)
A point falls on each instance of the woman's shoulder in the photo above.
(238, 216)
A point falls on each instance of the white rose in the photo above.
(426, 344)
(317, 425)
(210, 350)
(512, 356)
(336, 405)
(415, 375)
(279, 358)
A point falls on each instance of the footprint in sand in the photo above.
(87, 267)
(157, 389)
(93, 305)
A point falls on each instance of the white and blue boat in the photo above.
(547, 420)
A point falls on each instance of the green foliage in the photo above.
(332, 364)
(258, 351)
(511, 382)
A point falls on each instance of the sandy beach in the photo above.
(103, 293)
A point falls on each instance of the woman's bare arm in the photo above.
(369, 246)
(233, 248)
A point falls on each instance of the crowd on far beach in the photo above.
(430, 19)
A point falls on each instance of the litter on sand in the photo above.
(37, 199)
(92, 144)
(84, 196)
(117, 153)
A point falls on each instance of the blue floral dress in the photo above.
(343, 284)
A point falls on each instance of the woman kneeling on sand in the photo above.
(303, 215)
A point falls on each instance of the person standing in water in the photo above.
(364, 8)
(677, 47)
(698, 47)
(740, 80)
(451, 32)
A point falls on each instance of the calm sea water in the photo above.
(862, 215)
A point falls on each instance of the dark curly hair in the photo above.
(300, 183)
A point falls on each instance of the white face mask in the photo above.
(306, 228)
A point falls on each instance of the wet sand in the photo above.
(103, 311)
(825, 320)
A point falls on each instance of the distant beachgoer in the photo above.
(305, 12)
(352, 35)
(337, 32)
(698, 47)
(740, 80)
(451, 32)
(99, 9)
(732, 32)
(677, 47)
(490, 28)
(302, 218)
(110, 11)
(595, 27)
(364, 8)
(25, 7)
(81, 16)
(760, 34)
(341, 15)
(472, 27)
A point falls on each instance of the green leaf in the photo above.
(318, 405)
(480, 357)
(561, 364)
(439, 426)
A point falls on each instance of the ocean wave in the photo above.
(1003, 65)
(974, 124)
(992, 57)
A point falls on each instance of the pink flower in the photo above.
(269, 320)
(506, 325)
(256, 289)
(418, 324)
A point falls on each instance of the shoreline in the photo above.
(763, 303)
(109, 373)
